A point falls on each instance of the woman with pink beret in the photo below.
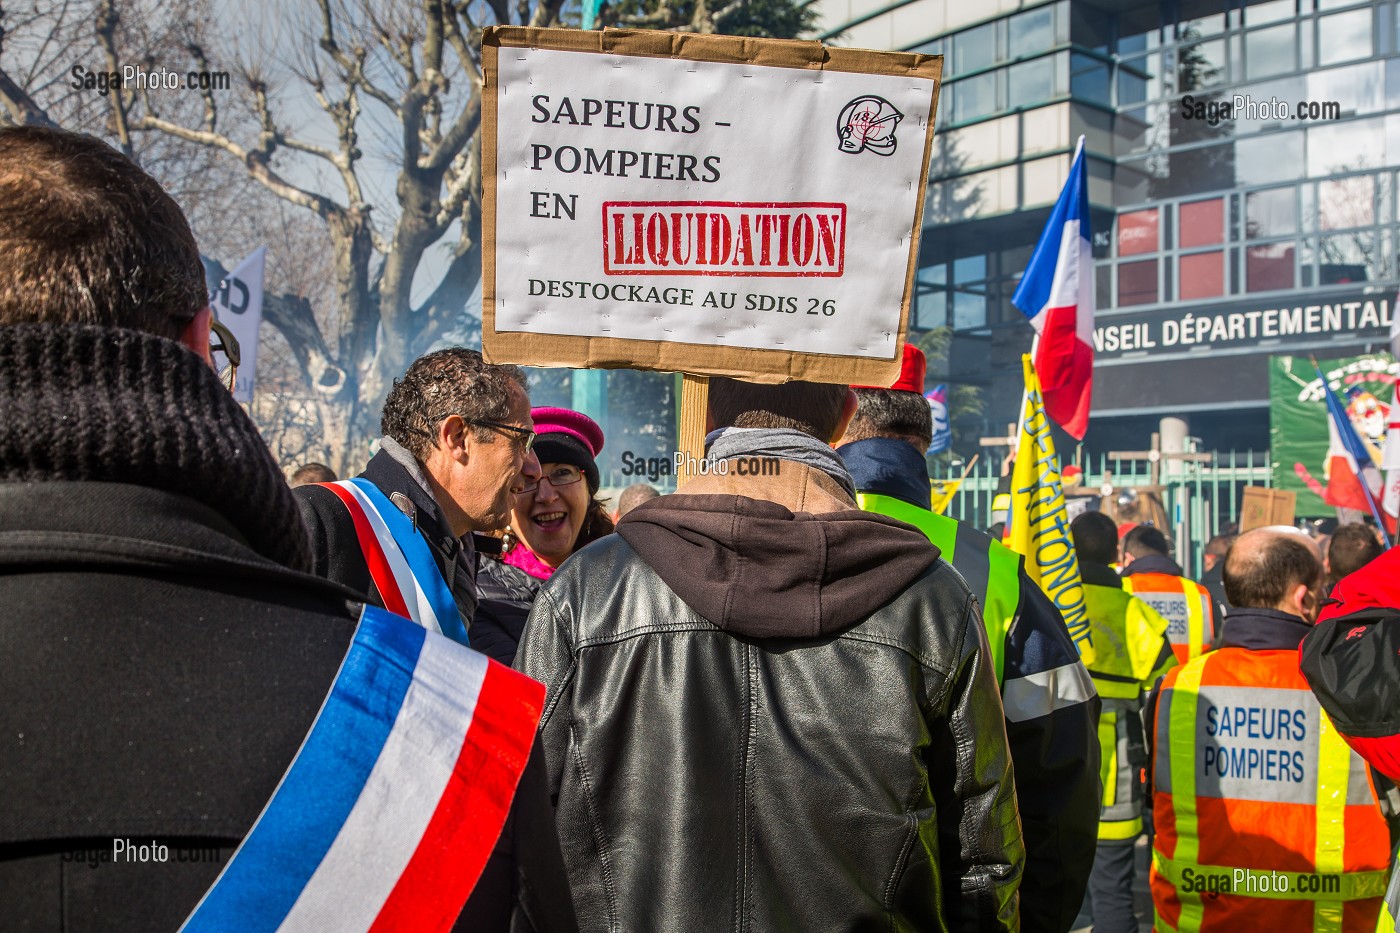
(550, 520)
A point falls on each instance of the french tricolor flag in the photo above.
(1353, 481)
(1057, 295)
(387, 815)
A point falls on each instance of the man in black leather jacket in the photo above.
(770, 710)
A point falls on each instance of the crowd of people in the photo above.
(455, 692)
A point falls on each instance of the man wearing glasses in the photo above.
(457, 439)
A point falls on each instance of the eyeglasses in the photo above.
(221, 340)
(563, 475)
(518, 435)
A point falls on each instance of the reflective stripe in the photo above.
(1182, 735)
(992, 573)
(1037, 695)
(1354, 886)
(1119, 830)
(1333, 771)
(1186, 605)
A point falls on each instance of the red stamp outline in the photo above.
(839, 271)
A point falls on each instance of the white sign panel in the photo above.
(729, 205)
(238, 306)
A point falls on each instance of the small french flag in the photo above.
(1057, 295)
(1353, 481)
(387, 815)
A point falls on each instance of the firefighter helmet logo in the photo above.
(868, 123)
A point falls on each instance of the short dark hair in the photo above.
(1260, 577)
(1219, 545)
(89, 238)
(810, 407)
(455, 381)
(1353, 546)
(1144, 540)
(1095, 537)
(894, 413)
(309, 473)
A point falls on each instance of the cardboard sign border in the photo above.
(617, 353)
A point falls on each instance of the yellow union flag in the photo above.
(942, 491)
(1039, 521)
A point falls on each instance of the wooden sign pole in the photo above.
(690, 433)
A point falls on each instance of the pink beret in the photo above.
(575, 424)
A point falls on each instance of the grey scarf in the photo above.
(783, 443)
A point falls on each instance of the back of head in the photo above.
(1264, 566)
(1146, 540)
(1352, 547)
(891, 413)
(99, 278)
(89, 238)
(813, 408)
(634, 496)
(1095, 537)
(455, 381)
(1219, 546)
(309, 473)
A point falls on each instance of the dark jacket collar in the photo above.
(408, 491)
(1154, 563)
(106, 405)
(124, 528)
(888, 467)
(1099, 574)
(1263, 630)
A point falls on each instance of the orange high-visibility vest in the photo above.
(1265, 819)
(1187, 606)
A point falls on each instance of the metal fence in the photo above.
(1198, 499)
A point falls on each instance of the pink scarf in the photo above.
(522, 558)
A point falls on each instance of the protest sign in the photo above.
(702, 204)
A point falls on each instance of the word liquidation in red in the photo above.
(724, 238)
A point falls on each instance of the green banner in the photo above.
(1298, 417)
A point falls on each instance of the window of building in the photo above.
(1346, 202)
(1032, 82)
(975, 49)
(1090, 28)
(1103, 284)
(1270, 213)
(1347, 258)
(1272, 12)
(1202, 275)
(1137, 283)
(976, 97)
(1031, 32)
(1269, 267)
(1137, 232)
(970, 308)
(1133, 80)
(1202, 222)
(1268, 158)
(1201, 65)
(1345, 147)
(1344, 37)
(1089, 79)
(1270, 51)
(1358, 88)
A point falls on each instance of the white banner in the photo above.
(731, 205)
(238, 306)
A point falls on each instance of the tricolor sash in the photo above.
(399, 561)
(390, 809)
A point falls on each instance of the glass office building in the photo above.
(1242, 162)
